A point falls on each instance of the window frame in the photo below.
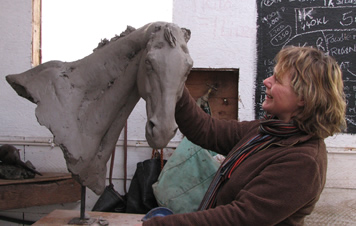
(36, 32)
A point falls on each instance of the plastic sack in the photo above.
(185, 178)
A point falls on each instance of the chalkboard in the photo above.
(329, 25)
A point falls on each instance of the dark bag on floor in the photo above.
(140, 197)
(110, 201)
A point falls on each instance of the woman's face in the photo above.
(280, 100)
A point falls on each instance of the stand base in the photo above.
(80, 221)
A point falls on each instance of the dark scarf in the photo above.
(271, 130)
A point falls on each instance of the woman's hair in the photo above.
(317, 79)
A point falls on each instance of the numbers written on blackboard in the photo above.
(348, 19)
(282, 37)
(273, 18)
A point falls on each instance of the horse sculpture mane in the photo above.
(104, 41)
(86, 103)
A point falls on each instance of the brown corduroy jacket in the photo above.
(279, 185)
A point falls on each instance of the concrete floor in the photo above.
(335, 207)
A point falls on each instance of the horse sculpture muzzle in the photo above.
(157, 134)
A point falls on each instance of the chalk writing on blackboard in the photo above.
(329, 25)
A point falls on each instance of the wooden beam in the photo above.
(43, 190)
(36, 32)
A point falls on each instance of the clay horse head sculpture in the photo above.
(85, 103)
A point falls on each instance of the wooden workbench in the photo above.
(62, 217)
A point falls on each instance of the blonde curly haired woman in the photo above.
(275, 168)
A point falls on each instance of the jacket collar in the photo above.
(296, 139)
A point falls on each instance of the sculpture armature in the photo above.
(86, 103)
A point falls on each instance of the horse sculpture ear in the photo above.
(186, 34)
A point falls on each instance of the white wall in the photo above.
(16, 113)
(223, 36)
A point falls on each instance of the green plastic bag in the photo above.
(185, 178)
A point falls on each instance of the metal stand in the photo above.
(82, 220)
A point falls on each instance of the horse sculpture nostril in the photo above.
(151, 125)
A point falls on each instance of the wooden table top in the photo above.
(63, 217)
